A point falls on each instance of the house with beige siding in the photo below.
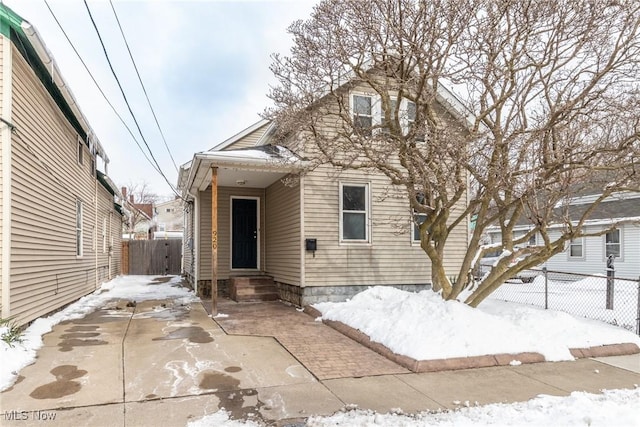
(59, 226)
(256, 212)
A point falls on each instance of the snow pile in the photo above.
(220, 419)
(137, 288)
(613, 407)
(425, 327)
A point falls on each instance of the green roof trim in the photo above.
(103, 180)
(8, 19)
(11, 27)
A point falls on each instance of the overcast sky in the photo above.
(205, 65)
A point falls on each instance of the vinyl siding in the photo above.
(188, 242)
(3, 130)
(594, 261)
(248, 140)
(390, 257)
(111, 220)
(224, 232)
(282, 231)
(47, 180)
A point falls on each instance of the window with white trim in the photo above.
(80, 152)
(576, 248)
(411, 118)
(354, 212)
(418, 219)
(612, 243)
(383, 120)
(362, 107)
(79, 229)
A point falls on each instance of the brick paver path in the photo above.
(322, 350)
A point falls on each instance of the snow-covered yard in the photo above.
(585, 297)
(424, 327)
(421, 326)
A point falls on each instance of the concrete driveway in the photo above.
(164, 363)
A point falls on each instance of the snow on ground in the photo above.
(136, 288)
(424, 327)
(584, 297)
(612, 407)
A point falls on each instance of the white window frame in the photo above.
(80, 152)
(375, 109)
(79, 229)
(367, 212)
(604, 242)
(415, 239)
(580, 240)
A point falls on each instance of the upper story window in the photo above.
(612, 244)
(383, 120)
(368, 112)
(354, 212)
(80, 152)
(362, 114)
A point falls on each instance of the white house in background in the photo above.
(169, 220)
(588, 255)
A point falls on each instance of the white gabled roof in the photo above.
(235, 138)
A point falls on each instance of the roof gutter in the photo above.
(47, 59)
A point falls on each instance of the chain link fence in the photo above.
(607, 298)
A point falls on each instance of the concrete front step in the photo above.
(253, 288)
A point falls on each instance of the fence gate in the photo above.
(148, 257)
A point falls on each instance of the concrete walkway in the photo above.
(162, 364)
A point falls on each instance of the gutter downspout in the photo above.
(5, 140)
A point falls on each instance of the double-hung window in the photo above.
(354, 212)
(79, 230)
(418, 219)
(576, 248)
(411, 119)
(612, 244)
(383, 119)
(362, 107)
(80, 152)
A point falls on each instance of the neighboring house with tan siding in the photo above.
(59, 225)
(322, 235)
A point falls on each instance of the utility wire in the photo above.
(55, 18)
(142, 84)
(126, 99)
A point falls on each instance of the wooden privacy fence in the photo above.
(150, 257)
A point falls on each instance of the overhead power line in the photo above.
(143, 86)
(95, 82)
(126, 100)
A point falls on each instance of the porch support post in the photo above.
(214, 241)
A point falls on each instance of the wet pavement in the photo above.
(162, 363)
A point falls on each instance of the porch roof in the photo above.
(255, 167)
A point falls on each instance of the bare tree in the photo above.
(139, 200)
(547, 107)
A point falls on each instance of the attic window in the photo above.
(362, 114)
